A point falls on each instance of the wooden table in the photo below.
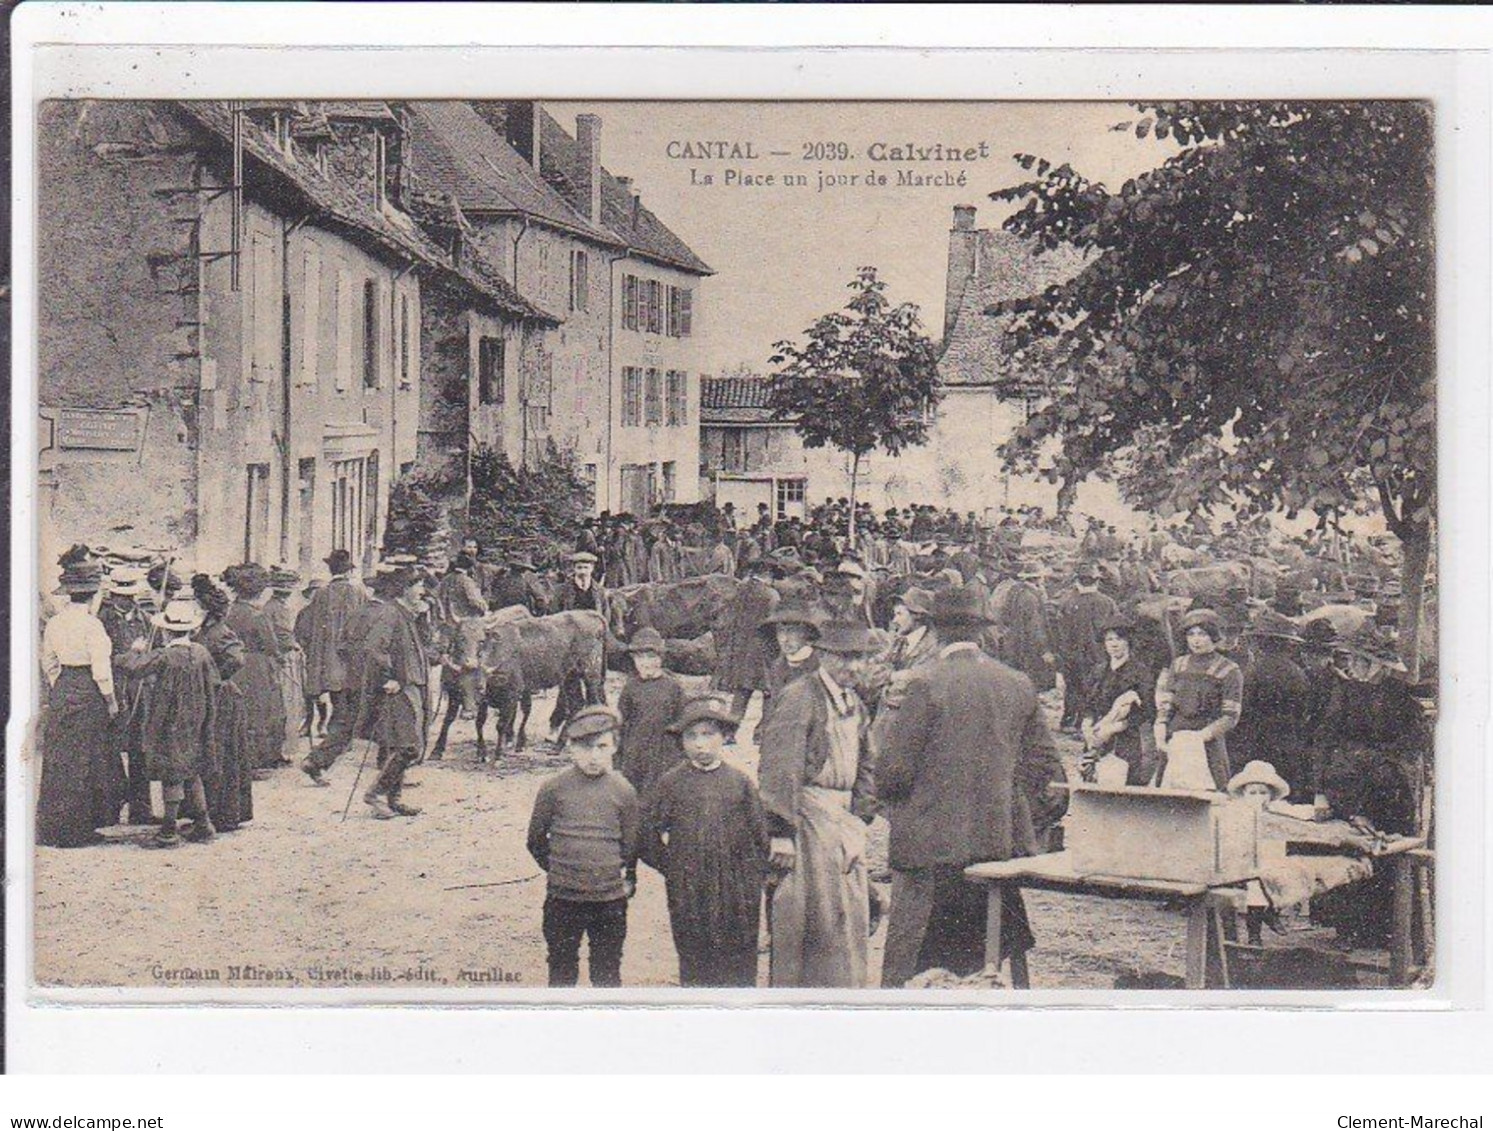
(1207, 960)
(1204, 906)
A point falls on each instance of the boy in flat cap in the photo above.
(649, 703)
(705, 830)
(584, 834)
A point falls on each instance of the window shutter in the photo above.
(311, 315)
(345, 329)
(686, 312)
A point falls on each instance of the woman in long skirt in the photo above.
(260, 677)
(230, 782)
(82, 780)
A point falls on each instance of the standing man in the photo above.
(1081, 618)
(125, 619)
(815, 780)
(579, 591)
(1021, 638)
(327, 626)
(396, 673)
(966, 762)
(744, 654)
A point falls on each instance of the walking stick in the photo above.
(346, 809)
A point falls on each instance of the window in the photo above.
(406, 347)
(653, 401)
(670, 480)
(311, 315)
(791, 494)
(370, 334)
(588, 476)
(629, 302)
(733, 449)
(266, 311)
(655, 306)
(681, 302)
(352, 517)
(678, 397)
(579, 270)
(632, 396)
(491, 358)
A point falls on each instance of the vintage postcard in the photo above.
(819, 546)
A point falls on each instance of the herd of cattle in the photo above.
(503, 660)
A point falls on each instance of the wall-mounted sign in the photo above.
(100, 431)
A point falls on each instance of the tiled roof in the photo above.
(338, 203)
(453, 150)
(976, 351)
(735, 400)
(643, 232)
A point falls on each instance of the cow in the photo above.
(683, 610)
(1214, 581)
(517, 654)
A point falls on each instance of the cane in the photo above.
(346, 809)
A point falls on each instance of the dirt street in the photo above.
(302, 897)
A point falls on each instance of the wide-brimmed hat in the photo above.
(846, 638)
(1367, 641)
(81, 577)
(793, 612)
(850, 567)
(129, 581)
(1259, 773)
(646, 640)
(76, 554)
(961, 605)
(1320, 633)
(179, 616)
(706, 709)
(282, 577)
(591, 721)
(390, 580)
(1271, 624)
(583, 557)
(917, 600)
(339, 561)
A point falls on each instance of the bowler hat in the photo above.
(647, 640)
(339, 561)
(702, 710)
(959, 606)
(846, 638)
(588, 722)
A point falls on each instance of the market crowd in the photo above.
(902, 660)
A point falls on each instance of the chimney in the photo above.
(632, 195)
(964, 243)
(588, 135)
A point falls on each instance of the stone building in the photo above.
(986, 394)
(230, 312)
(617, 381)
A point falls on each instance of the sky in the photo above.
(784, 254)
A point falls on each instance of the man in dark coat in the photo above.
(968, 760)
(126, 621)
(744, 654)
(1021, 637)
(579, 591)
(1080, 624)
(395, 674)
(324, 631)
(1274, 724)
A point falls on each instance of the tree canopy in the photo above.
(1255, 322)
(865, 376)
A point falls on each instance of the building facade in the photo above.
(230, 326)
(986, 394)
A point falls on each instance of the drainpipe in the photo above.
(287, 383)
(395, 375)
(523, 396)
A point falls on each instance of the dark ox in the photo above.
(680, 610)
(501, 660)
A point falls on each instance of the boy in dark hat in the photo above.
(584, 834)
(650, 701)
(705, 830)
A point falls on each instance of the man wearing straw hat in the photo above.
(815, 781)
(966, 762)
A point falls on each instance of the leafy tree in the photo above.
(865, 377)
(1255, 321)
(535, 508)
